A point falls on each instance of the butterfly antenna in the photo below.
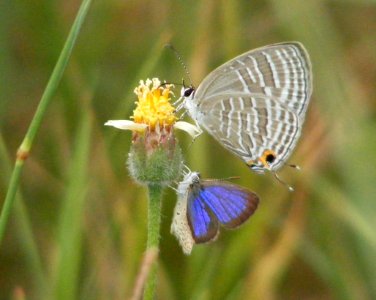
(224, 179)
(180, 58)
(233, 178)
(229, 178)
(289, 187)
(167, 82)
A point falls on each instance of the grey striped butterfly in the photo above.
(255, 104)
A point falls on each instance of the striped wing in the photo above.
(249, 126)
(257, 101)
(281, 72)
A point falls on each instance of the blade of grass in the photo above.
(204, 279)
(326, 267)
(33, 129)
(6, 62)
(263, 279)
(338, 203)
(70, 226)
(33, 261)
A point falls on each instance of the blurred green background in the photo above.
(78, 227)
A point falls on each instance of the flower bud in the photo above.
(155, 157)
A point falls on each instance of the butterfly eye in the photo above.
(188, 91)
(196, 178)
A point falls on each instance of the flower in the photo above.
(155, 157)
(153, 106)
(154, 110)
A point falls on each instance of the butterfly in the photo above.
(204, 205)
(255, 104)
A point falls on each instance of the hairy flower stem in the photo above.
(154, 222)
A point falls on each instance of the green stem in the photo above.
(26, 236)
(50, 90)
(154, 222)
(9, 199)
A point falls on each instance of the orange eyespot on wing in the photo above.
(267, 158)
(263, 162)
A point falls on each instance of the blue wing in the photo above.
(230, 203)
(204, 226)
(212, 201)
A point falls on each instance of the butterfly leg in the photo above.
(200, 131)
(178, 101)
(183, 115)
(171, 187)
(186, 170)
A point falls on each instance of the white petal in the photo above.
(192, 130)
(126, 125)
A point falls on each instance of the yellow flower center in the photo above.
(153, 105)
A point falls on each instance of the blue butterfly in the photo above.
(205, 204)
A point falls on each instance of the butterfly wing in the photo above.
(203, 224)
(281, 72)
(231, 204)
(180, 227)
(218, 201)
(257, 101)
(250, 126)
